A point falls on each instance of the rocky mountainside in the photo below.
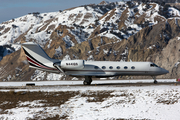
(117, 31)
(166, 1)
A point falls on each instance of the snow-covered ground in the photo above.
(160, 102)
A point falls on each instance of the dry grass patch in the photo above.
(12, 99)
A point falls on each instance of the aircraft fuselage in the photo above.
(109, 68)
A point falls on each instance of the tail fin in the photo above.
(37, 57)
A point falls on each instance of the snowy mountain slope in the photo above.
(33, 26)
(95, 32)
(125, 20)
(39, 26)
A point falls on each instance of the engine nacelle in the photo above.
(72, 64)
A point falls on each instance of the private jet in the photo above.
(38, 59)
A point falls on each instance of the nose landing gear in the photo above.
(154, 78)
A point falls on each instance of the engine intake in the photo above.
(72, 64)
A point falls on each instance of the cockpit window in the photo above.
(153, 65)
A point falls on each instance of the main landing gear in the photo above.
(154, 78)
(87, 80)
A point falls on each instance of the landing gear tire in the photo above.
(87, 80)
(86, 83)
(154, 78)
(155, 82)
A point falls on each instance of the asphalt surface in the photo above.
(33, 86)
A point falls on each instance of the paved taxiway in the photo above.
(112, 83)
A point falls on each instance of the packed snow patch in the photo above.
(38, 75)
(35, 103)
(176, 65)
(128, 104)
(53, 76)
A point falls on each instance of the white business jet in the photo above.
(38, 59)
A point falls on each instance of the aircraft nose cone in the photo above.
(165, 71)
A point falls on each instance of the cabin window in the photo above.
(153, 65)
(96, 67)
(118, 67)
(103, 67)
(125, 67)
(111, 67)
(133, 67)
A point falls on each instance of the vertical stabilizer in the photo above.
(37, 57)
